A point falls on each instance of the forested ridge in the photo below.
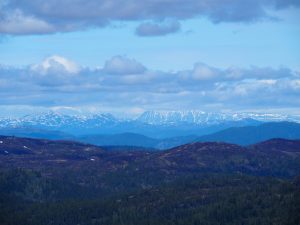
(199, 183)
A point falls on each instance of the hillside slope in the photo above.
(62, 182)
(254, 134)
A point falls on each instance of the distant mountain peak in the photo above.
(209, 118)
(54, 119)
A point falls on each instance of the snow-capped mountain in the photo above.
(205, 118)
(57, 120)
(152, 123)
(176, 117)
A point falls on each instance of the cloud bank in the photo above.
(124, 83)
(21, 17)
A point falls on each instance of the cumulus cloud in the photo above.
(124, 82)
(56, 64)
(37, 16)
(203, 72)
(53, 71)
(158, 29)
(123, 65)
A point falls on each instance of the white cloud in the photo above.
(123, 65)
(295, 84)
(58, 81)
(56, 64)
(268, 82)
(203, 72)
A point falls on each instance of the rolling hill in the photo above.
(277, 157)
(253, 134)
(64, 182)
(242, 135)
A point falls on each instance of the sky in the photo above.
(129, 56)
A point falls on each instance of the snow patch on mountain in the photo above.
(207, 118)
(59, 121)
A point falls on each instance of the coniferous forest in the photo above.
(199, 183)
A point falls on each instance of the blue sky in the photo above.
(93, 55)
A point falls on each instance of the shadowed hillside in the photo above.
(64, 182)
(254, 134)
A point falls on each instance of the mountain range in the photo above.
(151, 123)
(245, 135)
(156, 130)
(209, 118)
